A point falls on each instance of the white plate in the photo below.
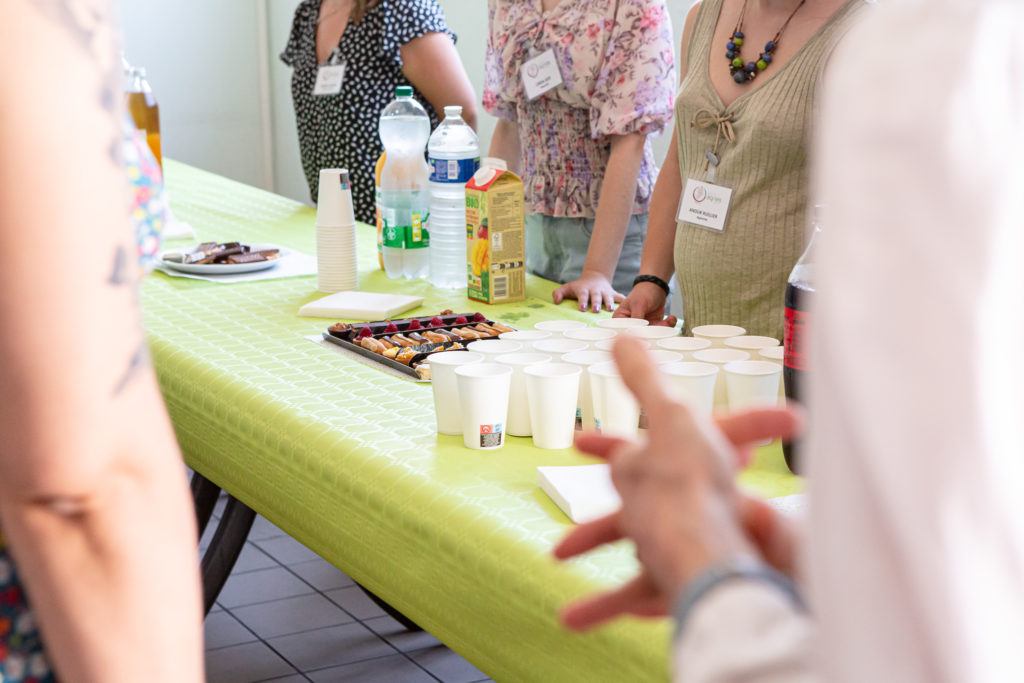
(223, 268)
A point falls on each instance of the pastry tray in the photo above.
(346, 339)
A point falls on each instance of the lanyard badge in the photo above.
(540, 73)
(330, 76)
(704, 203)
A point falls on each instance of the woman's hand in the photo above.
(593, 289)
(647, 300)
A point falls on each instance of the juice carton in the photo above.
(495, 244)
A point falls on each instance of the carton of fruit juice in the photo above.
(495, 245)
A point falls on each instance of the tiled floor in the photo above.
(286, 615)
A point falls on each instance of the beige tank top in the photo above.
(738, 276)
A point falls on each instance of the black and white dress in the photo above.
(340, 131)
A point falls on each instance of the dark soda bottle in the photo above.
(796, 364)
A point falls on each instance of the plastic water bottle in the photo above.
(454, 156)
(405, 196)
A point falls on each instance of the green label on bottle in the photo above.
(393, 235)
(417, 236)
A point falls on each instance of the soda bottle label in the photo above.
(393, 235)
(417, 236)
(455, 171)
(797, 339)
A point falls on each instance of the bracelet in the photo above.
(653, 279)
(711, 578)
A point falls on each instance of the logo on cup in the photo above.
(700, 193)
(532, 70)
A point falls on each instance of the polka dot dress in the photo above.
(340, 131)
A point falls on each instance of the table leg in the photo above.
(225, 547)
(204, 496)
(392, 612)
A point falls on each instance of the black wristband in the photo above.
(653, 279)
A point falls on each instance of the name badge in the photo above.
(329, 79)
(540, 74)
(704, 204)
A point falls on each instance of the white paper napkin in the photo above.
(583, 492)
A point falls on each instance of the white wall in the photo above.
(225, 100)
(202, 60)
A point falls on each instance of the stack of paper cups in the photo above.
(335, 233)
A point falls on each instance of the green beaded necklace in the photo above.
(743, 73)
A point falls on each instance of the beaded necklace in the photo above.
(743, 73)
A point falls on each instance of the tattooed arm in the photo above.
(93, 501)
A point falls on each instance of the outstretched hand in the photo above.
(593, 289)
(679, 503)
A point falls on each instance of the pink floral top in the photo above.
(618, 74)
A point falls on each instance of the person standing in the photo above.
(347, 58)
(740, 146)
(98, 573)
(911, 568)
(577, 87)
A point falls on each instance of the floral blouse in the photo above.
(618, 73)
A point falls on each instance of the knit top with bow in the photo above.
(617, 67)
(738, 276)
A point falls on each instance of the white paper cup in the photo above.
(717, 334)
(752, 383)
(526, 337)
(605, 345)
(518, 406)
(693, 383)
(750, 343)
(492, 348)
(615, 410)
(552, 389)
(719, 357)
(446, 390)
(590, 335)
(622, 323)
(652, 334)
(584, 359)
(775, 354)
(483, 402)
(334, 199)
(558, 327)
(662, 356)
(684, 345)
(556, 347)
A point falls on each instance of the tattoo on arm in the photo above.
(121, 275)
(90, 26)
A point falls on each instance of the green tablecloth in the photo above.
(345, 458)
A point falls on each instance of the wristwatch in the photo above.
(654, 279)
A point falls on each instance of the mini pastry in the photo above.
(435, 337)
(372, 344)
(392, 352)
(417, 337)
(501, 328)
(405, 356)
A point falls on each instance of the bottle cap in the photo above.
(452, 111)
(403, 91)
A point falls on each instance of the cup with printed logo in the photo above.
(483, 402)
